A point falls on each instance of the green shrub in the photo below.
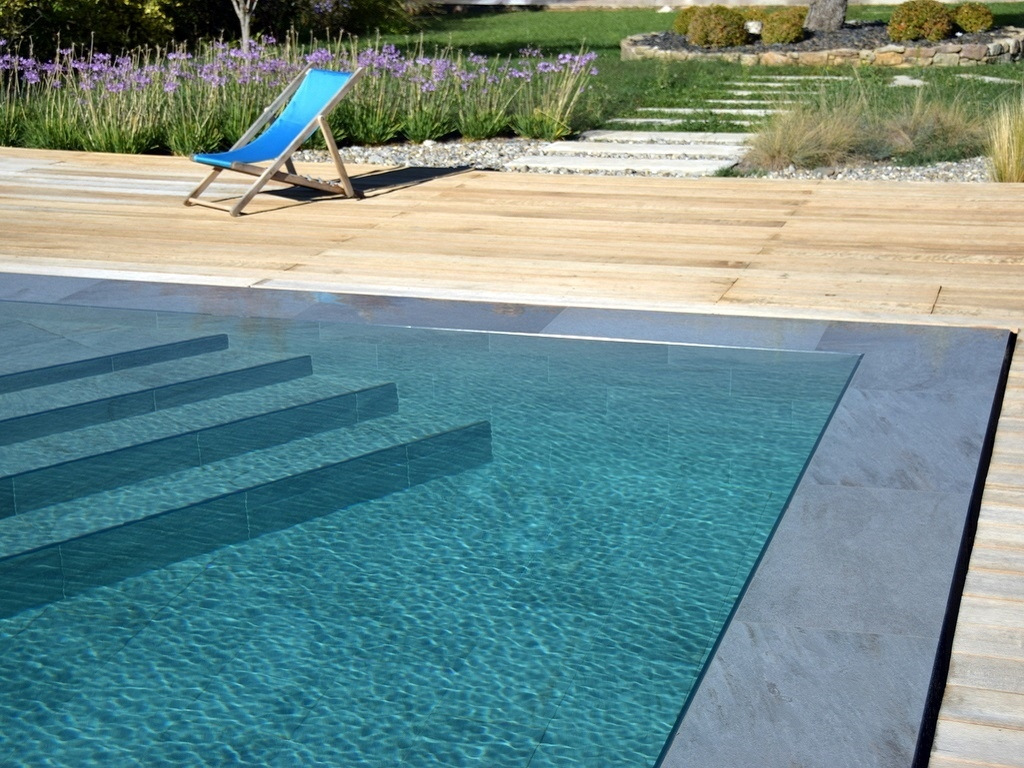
(785, 26)
(755, 12)
(681, 25)
(715, 26)
(973, 17)
(14, 17)
(928, 19)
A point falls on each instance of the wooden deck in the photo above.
(900, 252)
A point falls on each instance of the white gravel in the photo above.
(974, 169)
(493, 154)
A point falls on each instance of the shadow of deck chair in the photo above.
(306, 102)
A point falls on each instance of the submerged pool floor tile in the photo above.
(556, 597)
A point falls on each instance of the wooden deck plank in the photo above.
(896, 252)
(979, 743)
(985, 707)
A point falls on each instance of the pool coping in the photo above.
(820, 663)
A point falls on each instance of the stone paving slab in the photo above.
(592, 149)
(678, 167)
(712, 110)
(764, 79)
(773, 84)
(747, 92)
(746, 102)
(668, 137)
(665, 121)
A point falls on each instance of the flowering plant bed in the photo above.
(180, 101)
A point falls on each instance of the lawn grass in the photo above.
(504, 33)
(623, 87)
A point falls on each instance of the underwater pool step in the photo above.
(111, 507)
(104, 364)
(41, 452)
(41, 423)
(57, 483)
(46, 397)
(65, 568)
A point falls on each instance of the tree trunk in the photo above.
(244, 10)
(826, 15)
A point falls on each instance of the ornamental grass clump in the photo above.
(715, 26)
(1005, 142)
(866, 120)
(920, 19)
(926, 129)
(808, 136)
(973, 17)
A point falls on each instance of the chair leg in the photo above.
(192, 198)
(332, 148)
(267, 175)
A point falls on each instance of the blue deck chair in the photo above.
(307, 101)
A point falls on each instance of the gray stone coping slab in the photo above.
(837, 653)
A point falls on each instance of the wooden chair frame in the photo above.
(342, 186)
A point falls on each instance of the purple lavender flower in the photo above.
(320, 57)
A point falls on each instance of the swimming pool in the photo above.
(542, 590)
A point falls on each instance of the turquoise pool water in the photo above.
(571, 524)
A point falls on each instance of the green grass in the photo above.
(623, 87)
(505, 33)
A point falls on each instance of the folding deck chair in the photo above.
(307, 101)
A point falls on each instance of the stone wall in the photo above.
(1006, 48)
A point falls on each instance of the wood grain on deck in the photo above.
(899, 252)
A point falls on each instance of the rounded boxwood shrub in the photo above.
(715, 26)
(681, 24)
(754, 12)
(784, 26)
(973, 17)
(928, 19)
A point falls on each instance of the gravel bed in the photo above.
(974, 169)
(493, 154)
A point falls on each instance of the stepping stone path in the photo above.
(666, 152)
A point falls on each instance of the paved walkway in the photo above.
(662, 140)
